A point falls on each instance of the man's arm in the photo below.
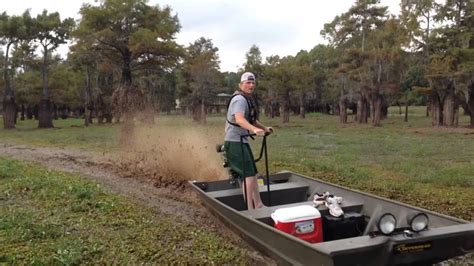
(243, 123)
(262, 126)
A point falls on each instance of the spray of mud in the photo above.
(172, 155)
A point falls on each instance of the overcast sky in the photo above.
(276, 27)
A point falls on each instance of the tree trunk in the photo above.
(195, 107)
(126, 71)
(127, 100)
(286, 107)
(449, 108)
(384, 109)
(273, 108)
(406, 112)
(29, 112)
(342, 111)
(362, 110)
(471, 125)
(377, 110)
(44, 112)
(359, 110)
(100, 109)
(470, 103)
(9, 106)
(302, 105)
(88, 117)
(436, 111)
(372, 108)
(88, 104)
(55, 112)
(127, 131)
(9, 113)
(203, 112)
(22, 112)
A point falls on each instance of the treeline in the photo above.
(124, 63)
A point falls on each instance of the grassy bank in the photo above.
(49, 218)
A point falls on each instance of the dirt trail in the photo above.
(175, 199)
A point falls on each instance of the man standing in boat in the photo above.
(242, 119)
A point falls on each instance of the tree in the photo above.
(230, 81)
(451, 67)
(27, 79)
(49, 32)
(417, 18)
(85, 56)
(351, 28)
(414, 15)
(278, 77)
(253, 63)
(12, 31)
(385, 55)
(65, 85)
(322, 60)
(134, 36)
(303, 79)
(161, 89)
(200, 77)
(413, 82)
(351, 33)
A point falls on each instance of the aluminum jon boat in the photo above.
(372, 231)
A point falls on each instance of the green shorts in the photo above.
(233, 152)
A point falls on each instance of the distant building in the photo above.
(220, 102)
(217, 103)
(222, 99)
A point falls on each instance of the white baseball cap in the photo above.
(247, 76)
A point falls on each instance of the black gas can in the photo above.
(351, 224)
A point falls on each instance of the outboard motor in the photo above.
(233, 176)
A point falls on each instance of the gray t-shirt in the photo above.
(238, 104)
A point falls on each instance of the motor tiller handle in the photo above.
(253, 135)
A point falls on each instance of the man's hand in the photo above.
(269, 130)
(259, 132)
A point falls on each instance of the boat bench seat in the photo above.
(265, 212)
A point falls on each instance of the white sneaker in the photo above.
(333, 206)
(338, 199)
(319, 200)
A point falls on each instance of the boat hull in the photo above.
(447, 236)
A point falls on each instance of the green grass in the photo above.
(48, 217)
(66, 133)
(413, 111)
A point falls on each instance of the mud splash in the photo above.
(171, 155)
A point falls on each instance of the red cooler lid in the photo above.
(294, 214)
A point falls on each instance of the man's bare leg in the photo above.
(257, 201)
(249, 195)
